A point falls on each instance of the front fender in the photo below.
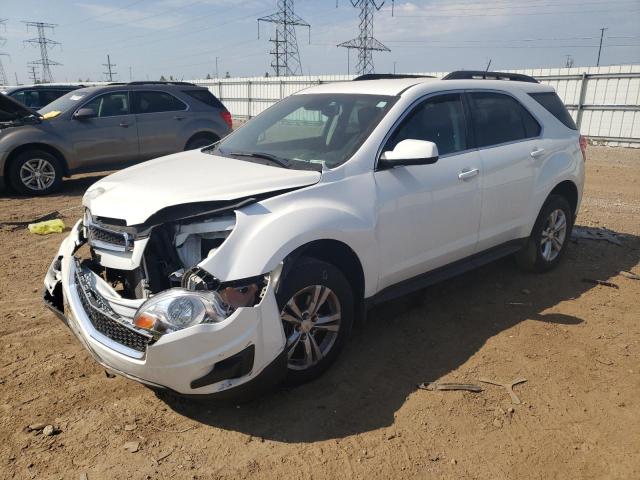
(265, 233)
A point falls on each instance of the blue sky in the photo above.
(183, 37)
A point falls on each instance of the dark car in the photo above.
(103, 128)
(38, 96)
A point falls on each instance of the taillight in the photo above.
(226, 116)
(583, 147)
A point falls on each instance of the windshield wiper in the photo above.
(283, 162)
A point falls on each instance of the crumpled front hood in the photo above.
(136, 193)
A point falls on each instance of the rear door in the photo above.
(159, 116)
(510, 146)
(108, 138)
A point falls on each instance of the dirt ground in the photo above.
(576, 343)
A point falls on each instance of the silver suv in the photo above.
(101, 128)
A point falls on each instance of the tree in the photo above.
(208, 77)
(227, 75)
(162, 79)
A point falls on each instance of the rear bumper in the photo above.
(221, 360)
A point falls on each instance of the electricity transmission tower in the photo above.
(365, 43)
(286, 58)
(43, 42)
(110, 73)
(3, 76)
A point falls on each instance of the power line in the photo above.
(110, 73)
(44, 43)
(285, 53)
(103, 14)
(572, 12)
(365, 43)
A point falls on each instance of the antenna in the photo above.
(43, 42)
(3, 76)
(286, 57)
(109, 73)
(365, 43)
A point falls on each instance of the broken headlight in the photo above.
(179, 308)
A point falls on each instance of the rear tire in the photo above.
(35, 172)
(200, 141)
(549, 238)
(316, 308)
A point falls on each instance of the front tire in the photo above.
(549, 238)
(316, 309)
(35, 172)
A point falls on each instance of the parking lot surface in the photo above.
(576, 342)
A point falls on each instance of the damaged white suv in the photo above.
(216, 271)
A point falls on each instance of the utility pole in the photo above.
(33, 74)
(600, 47)
(110, 73)
(3, 76)
(217, 76)
(44, 43)
(286, 57)
(17, 82)
(130, 74)
(365, 43)
(569, 61)
(394, 67)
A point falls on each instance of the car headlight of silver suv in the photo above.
(179, 308)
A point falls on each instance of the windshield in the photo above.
(65, 102)
(311, 128)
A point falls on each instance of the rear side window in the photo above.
(552, 103)
(499, 118)
(206, 97)
(155, 102)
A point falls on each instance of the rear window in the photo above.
(552, 103)
(206, 97)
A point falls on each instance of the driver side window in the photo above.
(440, 120)
(110, 104)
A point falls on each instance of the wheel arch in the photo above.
(569, 191)
(36, 146)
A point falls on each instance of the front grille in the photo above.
(103, 318)
(100, 237)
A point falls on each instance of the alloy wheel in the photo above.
(37, 174)
(553, 235)
(311, 320)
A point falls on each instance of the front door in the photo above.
(428, 215)
(108, 139)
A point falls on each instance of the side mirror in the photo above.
(84, 113)
(409, 152)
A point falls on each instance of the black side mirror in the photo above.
(84, 114)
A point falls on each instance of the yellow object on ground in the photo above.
(52, 114)
(47, 227)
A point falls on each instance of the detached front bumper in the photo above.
(243, 352)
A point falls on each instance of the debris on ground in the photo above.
(36, 427)
(50, 430)
(434, 386)
(600, 282)
(132, 447)
(130, 428)
(17, 225)
(587, 233)
(631, 275)
(47, 227)
(508, 386)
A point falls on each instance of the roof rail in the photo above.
(388, 76)
(152, 82)
(482, 75)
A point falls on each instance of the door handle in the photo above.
(466, 173)
(124, 124)
(537, 152)
(178, 117)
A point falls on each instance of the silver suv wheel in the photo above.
(311, 320)
(554, 234)
(37, 174)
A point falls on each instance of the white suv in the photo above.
(223, 270)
